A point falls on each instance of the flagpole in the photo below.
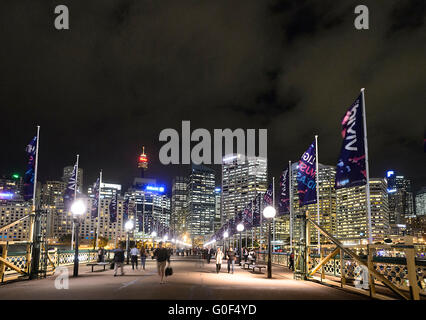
(32, 217)
(317, 183)
(367, 171)
(36, 169)
(273, 204)
(75, 198)
(99, 208)
(290, 185)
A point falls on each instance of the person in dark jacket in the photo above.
(143, 257)
(163, 256)
(118, 260)
(291, 262)
(231, 260)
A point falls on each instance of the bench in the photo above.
(258, 266)
(93, 264)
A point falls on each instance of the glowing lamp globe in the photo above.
(240, 227)
(78, 208)
(226, 234)
(129, 225)
(154, 234)
(269, 212)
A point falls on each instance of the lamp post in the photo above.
(77, 209)
(269, 213)
(240, 229)
(128, 226)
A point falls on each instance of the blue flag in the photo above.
(350, 169)
(113, 209)
(284, 203)
(29, 174)
(306, 183)
(248, 216)
(70, 190)
(256, 210)
(267, 197)
(95, 203)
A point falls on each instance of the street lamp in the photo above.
(240, 228)
(269, 213)
(77, 209)
(128, 226)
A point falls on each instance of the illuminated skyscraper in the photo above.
(179, 204)
(401, 201)
(352, 212)
(421, 202)
(241, 181)
(201, 201)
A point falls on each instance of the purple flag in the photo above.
(267, 198)
(350, 169)
(256, 210)
(69, 194)
(306, 184)
(95, 203)
(113, 209)
(29, 174)
(284, 204)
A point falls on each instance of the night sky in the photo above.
(128, 69)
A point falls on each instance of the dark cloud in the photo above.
(407, 15)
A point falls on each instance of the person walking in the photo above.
(143, 257)
(134, 257)
(163, 256)
(245, 254)
(219, 258)
(119, 260)
(291, 262)
(231, 260)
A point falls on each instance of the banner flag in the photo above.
(306, 174)
(126, 210)
(95, 202)
(256, 210)
(350, 169)
(267, 198)
(113, 209)
(284, 202)
(247, 216)
(29, 174)
(70, 190)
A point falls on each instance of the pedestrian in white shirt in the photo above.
(134, 256)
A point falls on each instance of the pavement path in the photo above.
(190, 281)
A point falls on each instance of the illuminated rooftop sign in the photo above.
(217, 189)
(390, 173)
(154, 188)
(6, 195)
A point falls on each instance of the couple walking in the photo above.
(231, 260)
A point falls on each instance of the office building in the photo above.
(421, 202)
(179, 204)
(201, 201)
(12, 209)
(352, 225)
(242, 178)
